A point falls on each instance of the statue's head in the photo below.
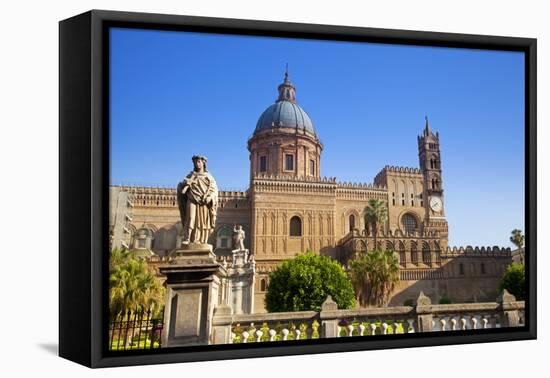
(199, 163)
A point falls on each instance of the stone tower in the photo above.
(284, 142)
(429, 155)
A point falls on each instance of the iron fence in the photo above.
(133, 330)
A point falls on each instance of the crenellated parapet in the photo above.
(361, 191)
(354, 185)
(294, 184)
(470, 251)
(151, 196)
(292, 178)
(391, 170)
(143, 196)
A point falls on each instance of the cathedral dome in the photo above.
(285, 112)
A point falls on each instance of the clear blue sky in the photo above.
(367, 103)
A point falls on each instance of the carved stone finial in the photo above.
(423, 300)
(329, 304)
(505, 296)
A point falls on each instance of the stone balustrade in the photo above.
(334, 322)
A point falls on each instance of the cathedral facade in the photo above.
(290, 208)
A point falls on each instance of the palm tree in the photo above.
(518, 239)
(374, 276)
(376, 213)
(132, 287)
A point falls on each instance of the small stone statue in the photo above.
(197, 197)
(238, 238)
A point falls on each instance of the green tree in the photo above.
(518, 239)
(376, 213)
(132, 286)
(374, 276)
(304, 282)
(514, 280)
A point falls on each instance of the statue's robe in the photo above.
(198, 204)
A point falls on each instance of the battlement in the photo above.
(360, 185)
(380, 178)
(470, 251)
(282, 177)
(166, 197)
(398, 169)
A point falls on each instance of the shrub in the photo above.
(304, 282)
(444, 300)
(514, 281)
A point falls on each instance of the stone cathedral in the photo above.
(290, 208)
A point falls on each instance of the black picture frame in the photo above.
(84, 173)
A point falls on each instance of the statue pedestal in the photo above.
(193, 280)
(241, 282)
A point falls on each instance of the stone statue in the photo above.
(238, 238)
(197, 197)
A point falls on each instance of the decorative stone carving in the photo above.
(197, 197)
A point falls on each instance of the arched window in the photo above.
(437, 253)
(414, 253)
(402, 256)
(351, 222)
(295, 226)
(409, 223)
(263, 285)
(426, 254)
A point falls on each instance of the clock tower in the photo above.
(430, 164)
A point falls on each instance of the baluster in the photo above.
(244, 337)
(443, 323)
(259, 335)
(350, 330)
(497, 321)
(232, 338)
(361, 329)
(297, 332)
(411, 326)
(272, 333)
(339, 330)
(384, 328)
(484, 322)
(372, 327)
(453, 322)
(309, 331)
(284, 332)
(395, 326)
(463, 323)
(474, 322)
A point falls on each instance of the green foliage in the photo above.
(444, 300)
(374, 276)
(376, 213)
(304, 282)
(132, 286)
(517, 238)
(408, 302)
(514, 281)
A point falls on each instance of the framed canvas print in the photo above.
(234, 188)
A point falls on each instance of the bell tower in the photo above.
(429, 155)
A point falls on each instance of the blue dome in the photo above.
(285, 114)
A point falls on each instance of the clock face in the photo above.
(436, 204)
